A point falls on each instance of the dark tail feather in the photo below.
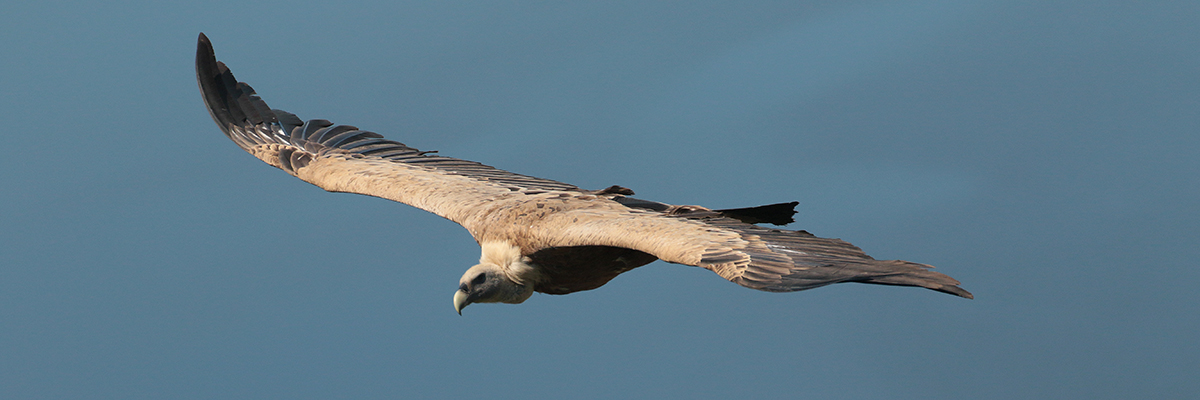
(775, 214)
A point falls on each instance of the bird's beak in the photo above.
(460, 301)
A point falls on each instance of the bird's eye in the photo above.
(479, 279)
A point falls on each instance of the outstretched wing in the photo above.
(769, 259)
(342, 158)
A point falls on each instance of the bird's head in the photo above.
(489, 283)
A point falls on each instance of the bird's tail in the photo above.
(775, 214)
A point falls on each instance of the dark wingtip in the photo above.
(230, 103)
(204, 48)
(905, 273)
(957, 291)
(208, 77)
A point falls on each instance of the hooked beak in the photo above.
(460, 301)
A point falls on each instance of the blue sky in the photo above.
(1043, 153)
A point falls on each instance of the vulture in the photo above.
(540, 235)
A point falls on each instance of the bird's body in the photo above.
(538, 234)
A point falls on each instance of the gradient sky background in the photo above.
(1045, 153)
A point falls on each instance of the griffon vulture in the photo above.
(539, 235)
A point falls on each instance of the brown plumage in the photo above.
(538, 234)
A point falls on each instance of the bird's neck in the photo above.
(514, 265)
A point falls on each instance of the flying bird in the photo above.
(540, 235)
